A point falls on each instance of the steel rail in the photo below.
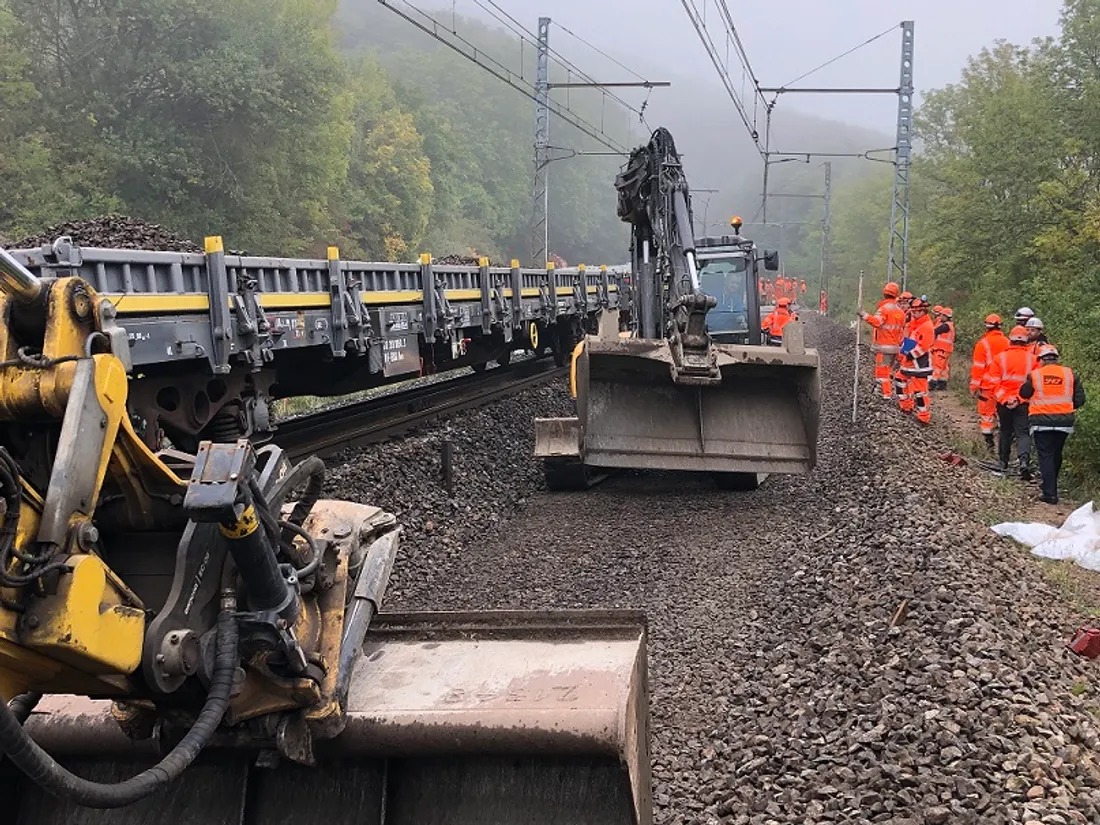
(377, 419)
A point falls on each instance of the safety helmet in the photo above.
(784, 302)
(906, 296)
(1018, 335)
(992, 320)
(937, 309)
(919, 303)
(1034, 323)
(1023, 313)
(948, 312)
(1048, 351)
(891, 290)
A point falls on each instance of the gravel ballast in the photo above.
(779, 691)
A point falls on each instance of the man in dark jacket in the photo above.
(1054, 394)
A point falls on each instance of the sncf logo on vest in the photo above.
(1052, 381)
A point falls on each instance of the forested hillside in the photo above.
(1005, 201)
(287, 125)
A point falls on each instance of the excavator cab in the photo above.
(693, 390)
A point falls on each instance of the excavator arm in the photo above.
(653, 197)
(669, 397)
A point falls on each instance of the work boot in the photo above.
(990, 443)
(1025, 474)
(1048, 499)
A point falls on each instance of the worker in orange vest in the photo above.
(989, 346)
(888, 324)
(942, 347)
(1007, 374)
(823, 303)
(1054, 394)
(899, 379)
(774, 322)
(916, 361)
(770, 288)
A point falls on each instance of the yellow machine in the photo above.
(196, 638)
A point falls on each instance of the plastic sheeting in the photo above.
(1078, 538)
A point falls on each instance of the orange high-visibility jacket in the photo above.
(919, 361)
(989, 346)
(1009, 371)
(889, 325)
(945, 338)
(774, 322)
(1053, 393)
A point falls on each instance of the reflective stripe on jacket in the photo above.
(989, 346)
(1009, 371)
(774, 322)
(888, 323)
(1055, 393)
(945, 337)
(918, 362)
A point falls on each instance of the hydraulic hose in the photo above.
(41, 768)
(312, 471)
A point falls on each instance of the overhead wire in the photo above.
(698, 21)
(497, 69)
(830, 62)
(512, 24)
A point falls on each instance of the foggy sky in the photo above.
(785, 38)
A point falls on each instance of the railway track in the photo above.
(377, 419)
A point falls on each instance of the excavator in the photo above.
(664, 395)
(196, 637)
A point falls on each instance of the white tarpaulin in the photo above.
(1078, 538)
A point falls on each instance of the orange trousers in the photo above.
(884, 363)
(901, 390)
(987, 414)
(941, 365)
(921, 400)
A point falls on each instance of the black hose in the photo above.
(41, 768)
(311, 471)
(22, 705)
(314, 551)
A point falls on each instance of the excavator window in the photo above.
(725, 279)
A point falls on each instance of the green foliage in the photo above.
(1005, 202)
(289, 125)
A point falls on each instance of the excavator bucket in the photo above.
(488, 718)
(761, 416)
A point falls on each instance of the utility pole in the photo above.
(540, 193)
(899, 207)
(825, 225)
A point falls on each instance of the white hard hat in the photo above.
(1025, 312)
(1034, 323)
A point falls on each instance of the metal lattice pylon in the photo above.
(540, 200)
(899, 209)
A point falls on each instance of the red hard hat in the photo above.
(784, 302)
(891, 290)
(993, 320)
(906, 296)
(948, 312)
(1018, 335)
